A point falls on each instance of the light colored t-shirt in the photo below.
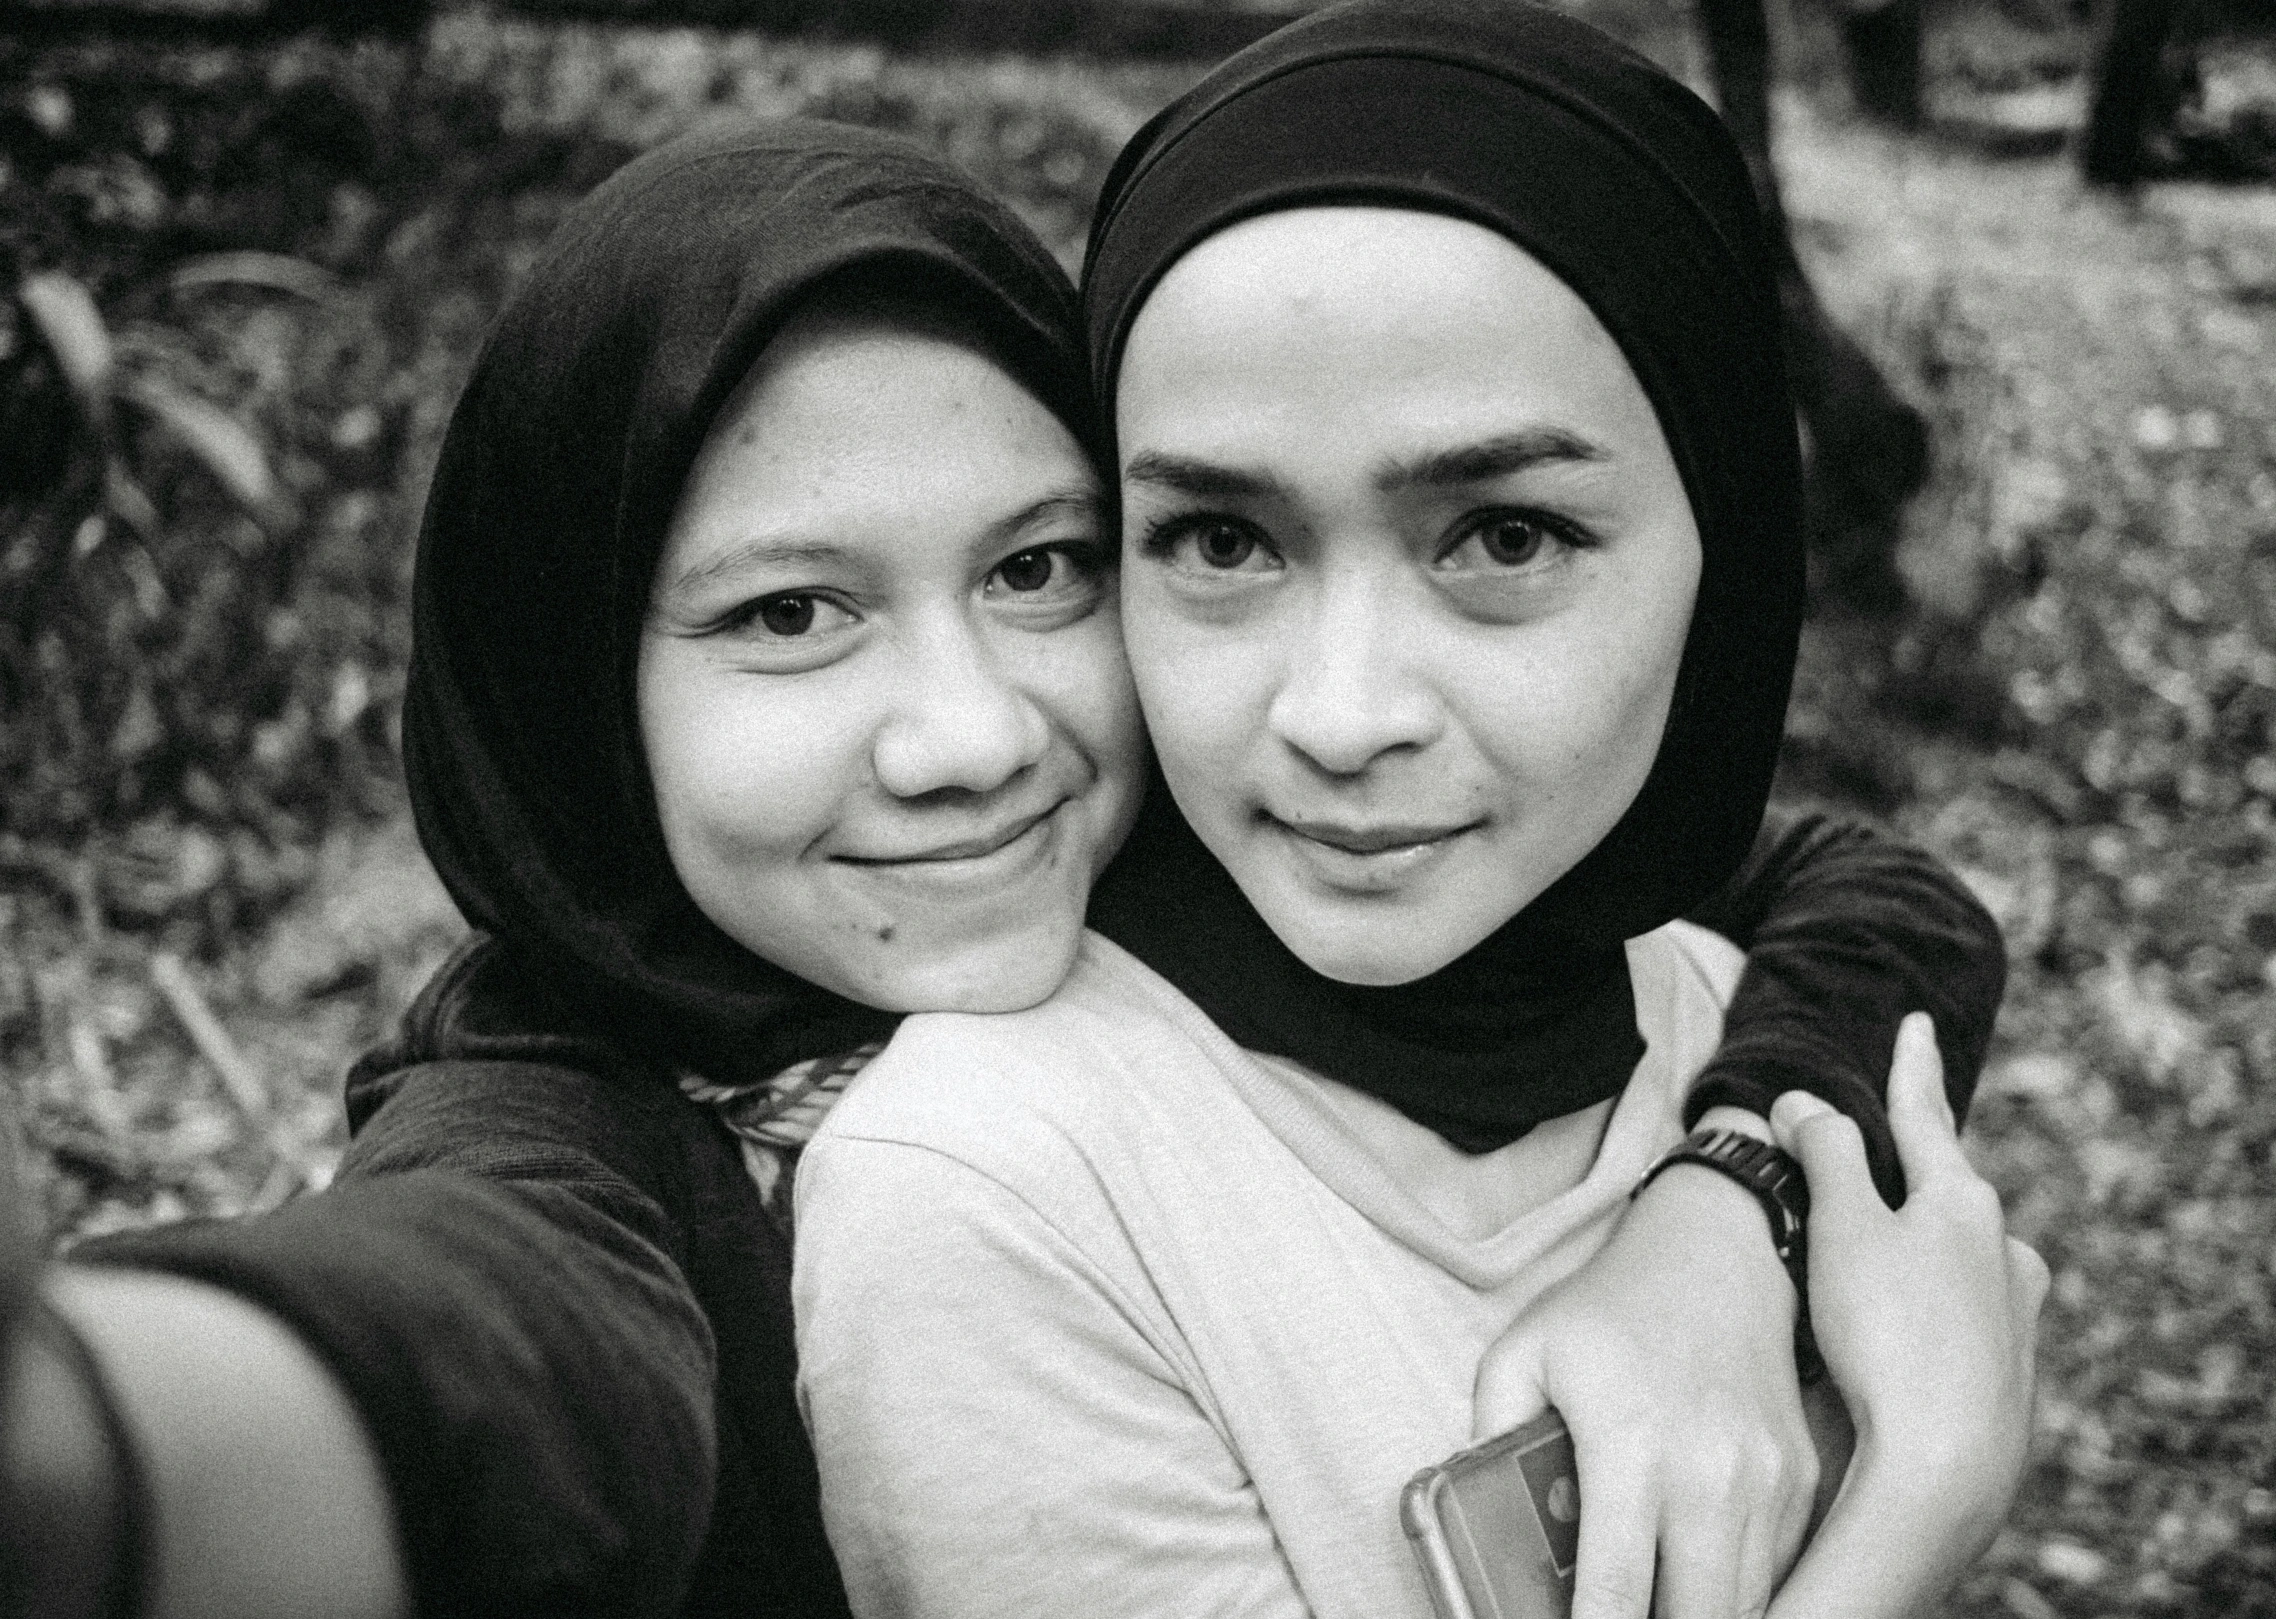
(1099, 1314)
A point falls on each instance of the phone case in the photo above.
(1497, 1527)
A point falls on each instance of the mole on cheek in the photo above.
(885, 935)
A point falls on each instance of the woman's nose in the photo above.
(1350, 692)
(959, 723)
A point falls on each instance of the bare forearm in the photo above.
(1883, 1551)
(58, 1477)
(1716, 1224)
(263, 1494)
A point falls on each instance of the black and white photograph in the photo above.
(1128, 809)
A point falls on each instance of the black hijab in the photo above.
(557, 479)
(1627, 187)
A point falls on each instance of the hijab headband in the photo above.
(1626, 186)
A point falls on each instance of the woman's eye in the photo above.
(1045, 568)
(1211, 545)
(787, 615)
(1223, 546)
(1049, 573)
(1029, 571)
(793, 614)
(1505, 539)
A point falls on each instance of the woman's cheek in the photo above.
(749, 766)
(1080, 676)
(1205, 688)
(1084, 680)
(1197, 728)
(1570, 723)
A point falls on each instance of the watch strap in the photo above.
(1771, 1174)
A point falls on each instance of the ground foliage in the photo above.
(209, 897)
(2080, 717)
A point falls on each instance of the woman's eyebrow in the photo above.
(757, 551)
(1202, 480)
(1081, 504)
(1488, 459)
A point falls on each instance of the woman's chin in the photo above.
(1006, 973)
(1373, 950)
(1379, 940)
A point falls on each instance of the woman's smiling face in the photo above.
(881, 686)
(1408, 572)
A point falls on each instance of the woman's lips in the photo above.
(1368, 858)
(1002, 854)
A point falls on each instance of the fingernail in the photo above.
(1795, 1106)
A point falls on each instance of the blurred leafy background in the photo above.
(239, 285)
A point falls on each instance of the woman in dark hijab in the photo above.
(542, 1318)
(1462, 577)
(763, 581)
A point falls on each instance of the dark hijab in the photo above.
(1627, 187)
(557, 480)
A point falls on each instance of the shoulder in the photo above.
(1707, 962)
(949, 1076)
(1020, 1156)
(1684, 979)
(1059, 1106)
(483, 1080)
(485, 1008)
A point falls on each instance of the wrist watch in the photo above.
(1776, 1180)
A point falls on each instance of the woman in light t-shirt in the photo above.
(1462, 576)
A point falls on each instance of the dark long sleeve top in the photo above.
(549, 1287)
(1846, 930)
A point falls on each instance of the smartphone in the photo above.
(1497, 1527)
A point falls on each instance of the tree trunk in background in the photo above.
(2126, 83)
(1884, 60)
(1869, 448)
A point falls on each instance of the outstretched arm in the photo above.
(497, 1286)
(1695, 1454)
(486, 1392)
(252, 1488)
(490, 1312)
